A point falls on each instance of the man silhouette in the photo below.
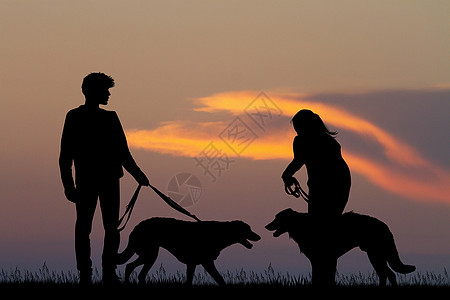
(94, 142)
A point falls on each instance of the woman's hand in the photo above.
(289, 181)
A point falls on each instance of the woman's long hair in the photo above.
(308, 122)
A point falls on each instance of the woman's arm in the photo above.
(290, 170)
(295, 164)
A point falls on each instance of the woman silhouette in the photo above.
(329, 177)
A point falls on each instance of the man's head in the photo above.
(95, 87)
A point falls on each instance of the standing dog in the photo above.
(192, 243)
(350, 231)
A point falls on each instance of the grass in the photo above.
(239, 282)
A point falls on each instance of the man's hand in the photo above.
(143, 180)
(72, 195)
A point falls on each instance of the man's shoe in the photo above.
(110, 278)
(85, 278)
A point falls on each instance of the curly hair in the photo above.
(95, 81)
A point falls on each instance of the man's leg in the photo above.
(110, 206)
(85, 208)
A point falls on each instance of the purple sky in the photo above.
(382, 63)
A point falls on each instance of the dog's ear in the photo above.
(240, 225)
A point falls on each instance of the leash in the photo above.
(173, 204)
(166, 199)
(129, 208)
(297, 191)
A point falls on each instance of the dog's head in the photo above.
(284, 222)
(244, 234)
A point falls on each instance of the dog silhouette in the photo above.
(192, 243)
(351, 230)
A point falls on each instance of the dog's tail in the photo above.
(396, 264)
(129, 251)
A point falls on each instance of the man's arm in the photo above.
(66, 158)
(128, 161)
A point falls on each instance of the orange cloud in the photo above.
(176, 138)
(236, 102)
(405, 183)
(401, 176)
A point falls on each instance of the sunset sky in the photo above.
(224, 78)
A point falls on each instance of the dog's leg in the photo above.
(149, 257)
(211, 269)
(190, 270)
(391, 276)
(143, 273)
(131, 266)
(382, 269)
